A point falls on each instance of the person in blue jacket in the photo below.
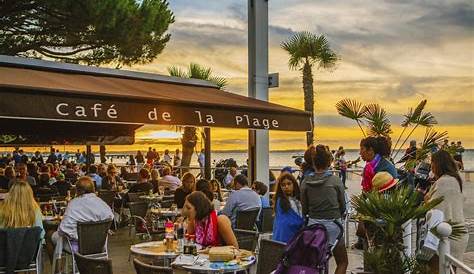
(287, 209)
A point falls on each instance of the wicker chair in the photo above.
(267, 220)
(87, 265)
(93, 238)
(247, 239)
(142, 268)
(29, 252)
(269, 256)
(246, 219)
(108, 197)
(138, 211)
(135, 197)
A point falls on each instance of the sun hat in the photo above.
(383, 181)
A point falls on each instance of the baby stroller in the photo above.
(308, 252)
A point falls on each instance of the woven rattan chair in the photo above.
(142, 268)
(247, 239)
(267, 220)
(138, 211)
(87, 265)
(29, 251)
(269, 255)
(246, 219)
(108, 197)
(135, 197)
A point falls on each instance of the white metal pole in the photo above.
(407, 237)
(258, 85)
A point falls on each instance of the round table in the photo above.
(154, 250)
(201, 264)
(151, 198)
(165, 212)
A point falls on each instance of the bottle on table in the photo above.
(169, 236)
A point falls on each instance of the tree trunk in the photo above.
(308, 98)
(188, 142)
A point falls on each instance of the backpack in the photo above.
(306, 253)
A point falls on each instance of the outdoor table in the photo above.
(165, 212)
(151, 198)
(201, 264)
(156, 251)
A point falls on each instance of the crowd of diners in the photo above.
(316, 196)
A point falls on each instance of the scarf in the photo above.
(369, 173)
(206, 231)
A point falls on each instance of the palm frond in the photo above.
(197, 71)
(220, 82)
(304, 46)
(351, 109)
(426, 119)
(377, 120)
(413, 115)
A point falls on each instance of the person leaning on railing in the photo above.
(448, 185)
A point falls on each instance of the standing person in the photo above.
(37, 158)
(177, 158)
(184, 190)
(448, 185)
(139, 159)
(287, 209)
(52, 158)
(375, 151)
(445, 145)
(323, 201)
(19, 209)
(210, 229)
(242, 199)
(167, 156)
(458, 154)
(131, 163)
(202, 162)
(78, 156)
(341, 164)
(150, 156)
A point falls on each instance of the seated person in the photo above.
(210, 229)
(45, 185)
(142, 184)
(229, 178)
(287, 208)
(111, 181)
(261, 190)
(155, 179)
(62, 185)
(183, 191)
(95, 177)
(19, 209)
(169, 181)
(85, 207)
(242, 199)
(205, 187)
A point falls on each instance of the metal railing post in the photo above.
(407, 234)
(444, 230)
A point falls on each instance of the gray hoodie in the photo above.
(322, 196)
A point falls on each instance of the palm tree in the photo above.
(306, 51)
(195, 71)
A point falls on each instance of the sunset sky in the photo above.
(394, 53)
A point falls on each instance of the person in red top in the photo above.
(210, 229)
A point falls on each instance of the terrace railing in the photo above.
(446, 260)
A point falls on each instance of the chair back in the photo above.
(44, 197)
(132, 176)
(246, 219)
(108, 197)
(143, 268)
(135, 197)
(14, 256)
(166, 203)
(87, 265)
(138, 209)
(247, 239)
(93, 237)
(269, 255)
(267, 220)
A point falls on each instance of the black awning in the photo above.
(48, 91)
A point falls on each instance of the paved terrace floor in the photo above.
(119, 243)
